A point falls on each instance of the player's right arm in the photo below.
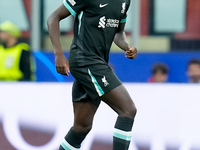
(62, 65)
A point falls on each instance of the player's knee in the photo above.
(133, 111)
(129, 112)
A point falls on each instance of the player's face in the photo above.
(160, 77)
(194, 72)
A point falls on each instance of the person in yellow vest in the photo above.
(14, 57)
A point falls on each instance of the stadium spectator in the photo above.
(14, 56)
(193, 71)
(159, 73)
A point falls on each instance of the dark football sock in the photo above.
(122, 133)
(72, 140)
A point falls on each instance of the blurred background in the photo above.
(166, 33)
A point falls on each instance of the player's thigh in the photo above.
(83, 114)
(120, 101)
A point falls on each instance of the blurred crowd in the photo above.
(160, 72)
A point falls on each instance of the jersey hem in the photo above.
(123, 20)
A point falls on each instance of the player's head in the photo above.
(160, 72)
(9, 30)
(193, 70)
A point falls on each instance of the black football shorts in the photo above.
(92, 82)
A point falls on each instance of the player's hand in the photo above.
(62, 64)
(131, 52)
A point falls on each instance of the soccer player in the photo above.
(97, 24)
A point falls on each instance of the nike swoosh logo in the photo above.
(103, 5)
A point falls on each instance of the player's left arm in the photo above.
(121, 41)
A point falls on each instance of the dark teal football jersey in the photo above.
(95, 25)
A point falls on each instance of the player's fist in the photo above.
(62, 64)
(131, 52)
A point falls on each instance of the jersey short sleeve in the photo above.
(75, 6)
(125, 7)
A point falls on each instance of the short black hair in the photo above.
(193, 61)
(160, 67)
